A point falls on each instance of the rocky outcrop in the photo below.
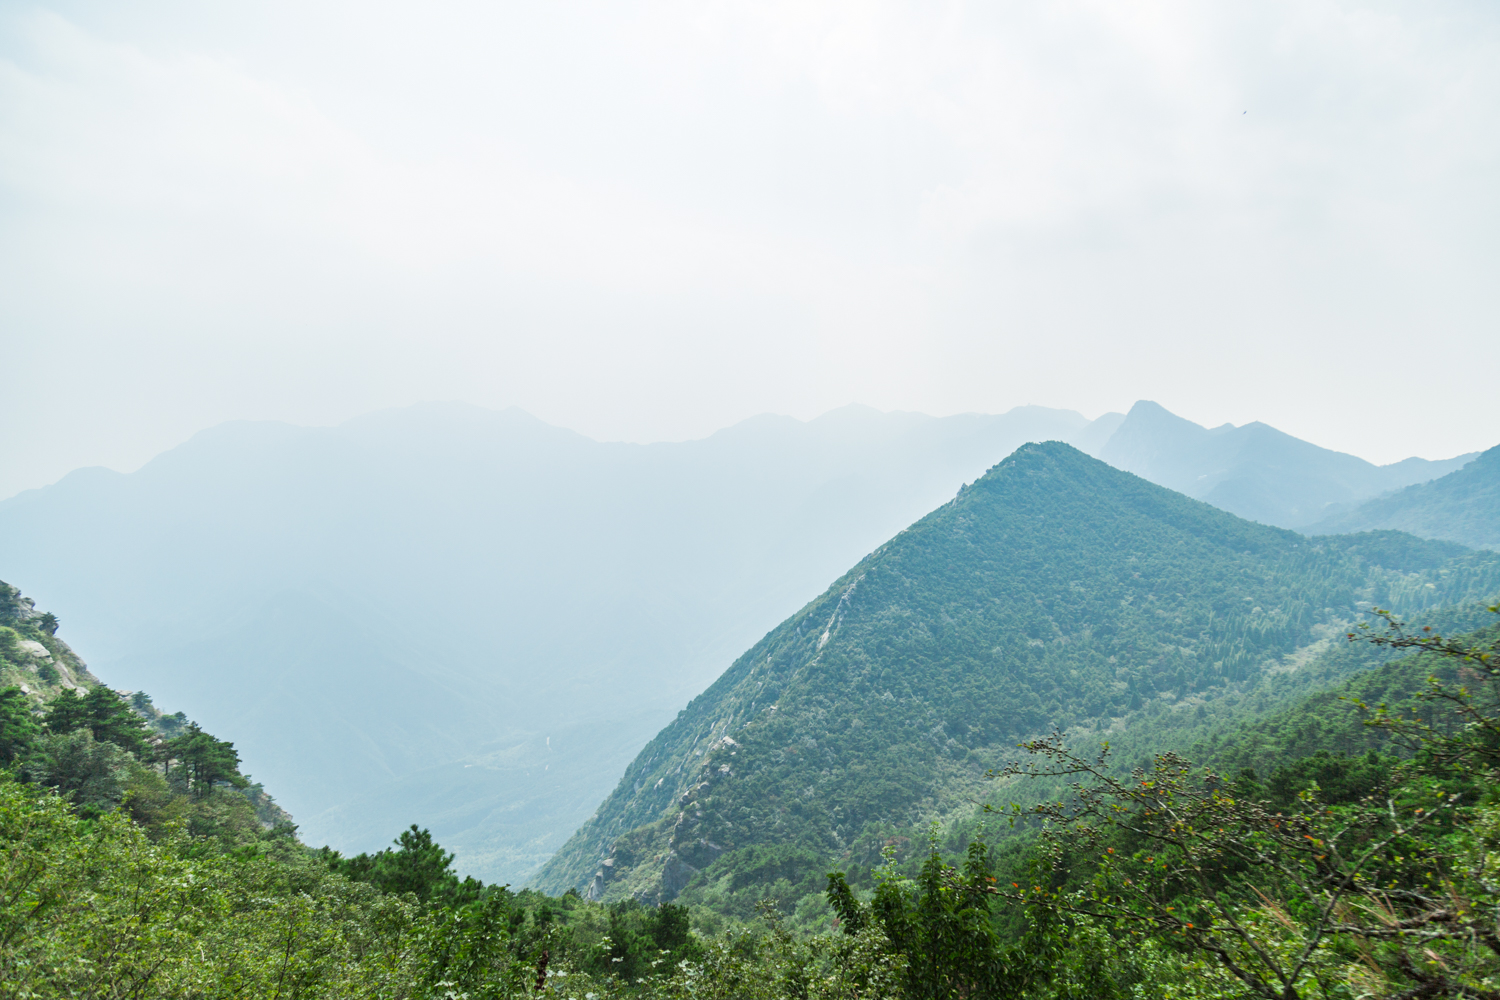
(32, 657)
(656, 863)
(675, 876)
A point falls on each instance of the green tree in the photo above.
(95, 908)
(941, 922)
(467, 950)
(648, 941)
(89, 773)
(18, 725)
(418, 865)
(106, 715)
(65, 713)
(203, 761)
(10, 643)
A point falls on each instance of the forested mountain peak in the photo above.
(1054, 590)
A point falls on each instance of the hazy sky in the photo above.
(646, 220)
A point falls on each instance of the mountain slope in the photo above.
(1055, 590)
(32, 657)
(1463, 507)
(55, 684)
(466, 615)
(1254, 471)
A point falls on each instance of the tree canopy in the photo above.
(106, 715)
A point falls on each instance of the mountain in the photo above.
(1053, 591)
(1254, 470)
(478, 618)
(1463, 506)
(468, 616)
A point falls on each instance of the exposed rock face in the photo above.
(675, 875)
(32, 657)
(654, 865)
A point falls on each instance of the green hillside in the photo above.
(1055, 590)
(1463, 506)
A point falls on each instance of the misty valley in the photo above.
(447, 702)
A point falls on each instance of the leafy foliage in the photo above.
(96, 908)
(89, 772)
(1384, 889)
(940, 923)
(643, 939)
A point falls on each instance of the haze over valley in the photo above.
(477, 618)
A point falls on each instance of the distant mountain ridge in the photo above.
(1463, 507)
(1254, 471)
(1053, 591)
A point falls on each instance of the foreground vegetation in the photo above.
(138, 862)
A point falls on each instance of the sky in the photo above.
(648, 219)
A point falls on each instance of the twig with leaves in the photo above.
(1276, 895)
